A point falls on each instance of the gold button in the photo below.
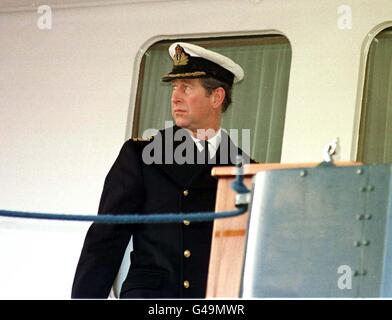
(187, 253)
(186, 284)
(185, 192)
(187, 222)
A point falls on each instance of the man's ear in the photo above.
(218, 97)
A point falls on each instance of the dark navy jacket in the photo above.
(159, 264)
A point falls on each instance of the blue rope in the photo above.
(127, 218)
(237, 185)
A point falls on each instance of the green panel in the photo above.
(375, 136)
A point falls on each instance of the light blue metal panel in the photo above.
(386, 284)
(308, 230)
(376, 193)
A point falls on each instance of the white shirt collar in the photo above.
(213, 143)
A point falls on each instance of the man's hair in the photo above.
(210, 84)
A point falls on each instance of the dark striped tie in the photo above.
(205, 151)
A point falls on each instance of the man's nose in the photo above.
(176, 95)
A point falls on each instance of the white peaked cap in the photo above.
(198, 62)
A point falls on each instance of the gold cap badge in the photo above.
(180, 57)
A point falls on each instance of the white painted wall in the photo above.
(66, 95)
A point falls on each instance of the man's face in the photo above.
(192, 107)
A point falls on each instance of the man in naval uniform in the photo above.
(167, 174)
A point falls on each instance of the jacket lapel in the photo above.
(180, 173)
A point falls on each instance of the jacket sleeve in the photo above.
(105, 244)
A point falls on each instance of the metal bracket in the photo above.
(242, 199)
(329, 151)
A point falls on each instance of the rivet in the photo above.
(359, 171)
(303, 173)
(370, 188)
(363, 273)
(368, 216)
(357, 243)
(363, 189)
(359, 216)
(356, 273)
(365, 242)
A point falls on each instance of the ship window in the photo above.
(258, 101)
(375, 133)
